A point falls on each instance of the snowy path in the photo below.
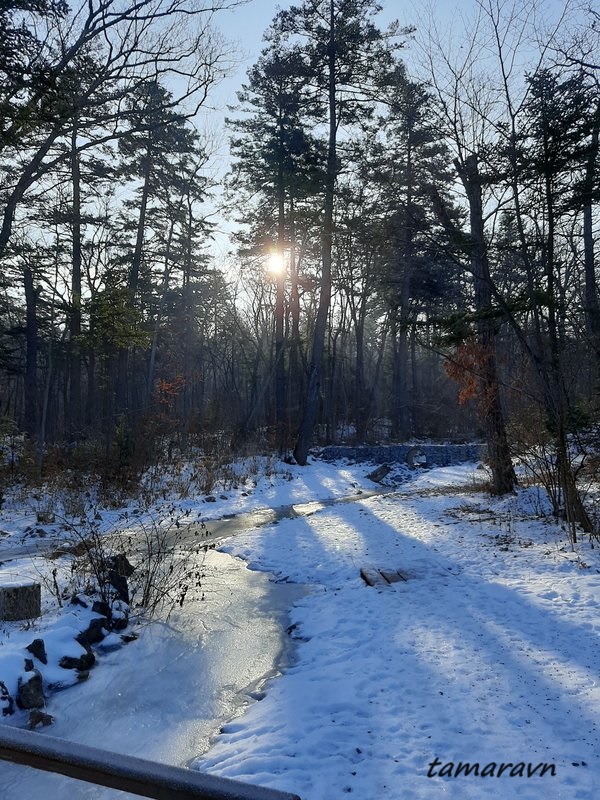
(489, 653)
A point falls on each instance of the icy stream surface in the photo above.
(164, 696)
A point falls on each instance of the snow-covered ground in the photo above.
(487, 654)
(165, 695)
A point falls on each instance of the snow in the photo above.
(16, 583)
(165, 695)
(487, 653)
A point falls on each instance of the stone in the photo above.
(20, 600)
(6, 702)
(121, 565)
(438, 454)
(416, 458)
(102, 608)
(30, 691)
(39, 718)
(45, 517)
(119, 615)
(120, 585)
(59, 686)
(94, 633)
(83, 663)
(37, 648)
(380, 473)
(210, 499)
(111, 643)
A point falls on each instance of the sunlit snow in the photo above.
(488, 653)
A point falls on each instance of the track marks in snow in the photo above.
(487, 653)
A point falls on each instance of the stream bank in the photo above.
(166, 696)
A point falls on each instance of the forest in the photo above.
(414, 248)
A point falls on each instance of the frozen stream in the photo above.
(164, 696)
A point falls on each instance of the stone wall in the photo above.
(430, 455)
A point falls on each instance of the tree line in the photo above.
(432, 232)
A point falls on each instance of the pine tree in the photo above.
(348, 58)
(277, 159)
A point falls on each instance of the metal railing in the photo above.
(126, 773)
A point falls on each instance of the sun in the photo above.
(275, 263)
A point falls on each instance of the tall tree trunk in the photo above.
(187, 298)
(503, 475)
(549, 370)
(396, 389)
(157, 323)
(406, 251)
(415, 392)
(309, 418)
(74, 414)
(280, 378)
(91, 403)
(122, 393)
(402, 355)
(30, 415)
(41, 443)
(368, 399)
(294, 380)
(592, 305)
(360, 391)
(557, 401)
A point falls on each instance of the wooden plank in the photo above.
(392, 575)
(372, 577)
(126, 773)
(381, 576)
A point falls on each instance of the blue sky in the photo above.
(246, 24)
